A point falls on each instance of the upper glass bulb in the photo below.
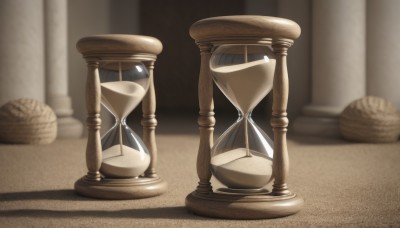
(244, 73)
(123, 86)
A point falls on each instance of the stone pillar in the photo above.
(57, 69)
(383, 47)
(338, 64)
(22, 50)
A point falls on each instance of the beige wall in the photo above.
(83, 20)
(22, 50)
(91, 17)
(299, 55)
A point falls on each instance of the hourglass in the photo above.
(120, 77)
(246, 58)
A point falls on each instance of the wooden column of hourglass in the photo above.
(96, 49)
(209, 33)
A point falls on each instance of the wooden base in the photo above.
(243, 206)
(116, 189)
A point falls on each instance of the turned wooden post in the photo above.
(279, 120)
(149, 122)
(206, 120)
(93, 121)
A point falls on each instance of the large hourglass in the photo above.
(246, 58)
(120, 165)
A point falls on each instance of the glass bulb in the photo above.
(123, 86)
(242, 157)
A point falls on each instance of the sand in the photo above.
(238, 171)
(131, 164)
(121, 97)
(245, 85)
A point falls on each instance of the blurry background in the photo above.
(347, 50)
(177, 67)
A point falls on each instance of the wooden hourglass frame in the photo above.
(105, 48)
(208, 34)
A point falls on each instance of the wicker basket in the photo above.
(27, 121)
(370, 119)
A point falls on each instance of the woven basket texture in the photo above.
(370, 119)
(27, 121)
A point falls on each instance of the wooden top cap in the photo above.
(244, 26)
(118, 44)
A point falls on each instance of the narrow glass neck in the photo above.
(246, 115)
(121, 121)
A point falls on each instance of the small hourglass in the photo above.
(120, 77)
(246, 58)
